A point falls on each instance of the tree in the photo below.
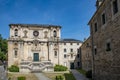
(3, 48)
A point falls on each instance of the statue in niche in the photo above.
(36, 45)
(25, 34)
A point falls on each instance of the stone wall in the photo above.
(86, 55)
(106, 65)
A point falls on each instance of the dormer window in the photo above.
(55, 34)
(16, 32)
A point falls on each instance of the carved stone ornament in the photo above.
(36, 33)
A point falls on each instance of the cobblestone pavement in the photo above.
(41, 76)
(3, 75)
(78, 76)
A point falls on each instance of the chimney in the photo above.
(98, 3)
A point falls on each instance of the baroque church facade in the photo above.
(35, 47)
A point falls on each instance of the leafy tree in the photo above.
(3, 48)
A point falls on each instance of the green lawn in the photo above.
(66, 76)
(69, 76)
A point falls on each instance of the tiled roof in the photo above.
(35, 25)
(71, 40)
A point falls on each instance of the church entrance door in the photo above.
(36, 56)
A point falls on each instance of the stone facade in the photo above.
(40, 47)
(86, 55)
(105, 30)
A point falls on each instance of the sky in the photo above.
(72, 15)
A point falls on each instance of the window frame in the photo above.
(103, 18)
(115, 8)
(16, 32)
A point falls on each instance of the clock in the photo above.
(35, 33)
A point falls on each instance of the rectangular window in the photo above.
(108, 47)
(78, 55)
(65, 50)
(77, 43)
(65, 55)
(64, 43)
(103, 18)
(71, 50)
(70, 43)
(16, 54)
(78, 63)
(65, 63)
(115, 7)
(95, 26)
(78, 50)
(95, 51)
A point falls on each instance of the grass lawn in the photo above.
(29, 76)
(69, 76)
(81, 71)
(66, 76)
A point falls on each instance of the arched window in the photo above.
(55, 33)
(16, 32)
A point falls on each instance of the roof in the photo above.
(70, 40)
(96, 12)
(35, 25)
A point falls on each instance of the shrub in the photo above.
(13, 68)
(59, 78)
(60, 68)
(89, 74)
(69, 76)
(21, 78)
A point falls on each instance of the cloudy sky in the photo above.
(72, 15)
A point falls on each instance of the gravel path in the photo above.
(78, 76)
(41, 76)
(3, 75)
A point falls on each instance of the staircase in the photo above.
(29, 66)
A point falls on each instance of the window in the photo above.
(103, 18)
(65, 55)
(65, 63)
(64, 43)
(87, 44)
(16, 32)
(95, 51)
(95, 26)
(65, 50)
(78, 55)
(78, 63)
(77, 43)
(108, 47)
(55, 34)
(55, 53)
(78, 50)
(115, 7)
(71, 50)
(16, 53)
(70, 43)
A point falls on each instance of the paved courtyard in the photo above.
(40, 76)
(78, 76)
(3, 75)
